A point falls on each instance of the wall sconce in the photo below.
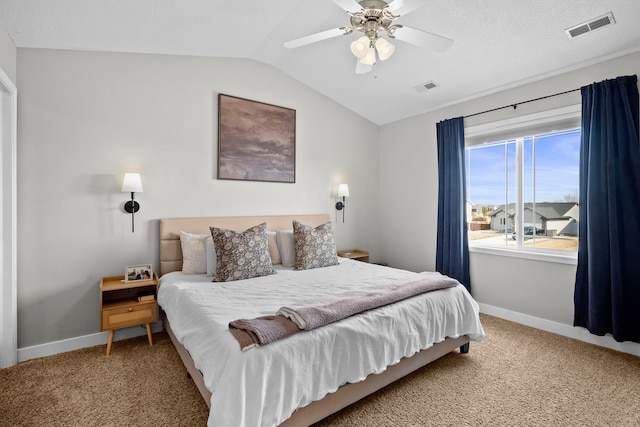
(133, 184)
(343, 191)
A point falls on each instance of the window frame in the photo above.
(511, 129)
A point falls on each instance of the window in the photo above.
(522, 183)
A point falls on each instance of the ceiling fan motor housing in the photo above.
(374, 17)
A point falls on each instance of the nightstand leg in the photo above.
(109, 342)
(149, 334)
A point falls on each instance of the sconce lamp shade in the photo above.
(343, 190)
(132, 183)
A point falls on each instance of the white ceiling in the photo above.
(498, 43)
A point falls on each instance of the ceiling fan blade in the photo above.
(402, 7)
(348, 5)
(363, 68)
(323, 35)
(422, 38)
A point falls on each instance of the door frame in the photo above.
(8, 226)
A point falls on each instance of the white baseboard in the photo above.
(101, 338)
(580, 334)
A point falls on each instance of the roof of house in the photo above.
(547, 210)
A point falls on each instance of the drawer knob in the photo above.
(130, 309)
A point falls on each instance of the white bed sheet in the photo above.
(263, 386)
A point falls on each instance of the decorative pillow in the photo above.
(241, 255)
(273, 248)
(194, 260)
(286, 247)
(315, 247)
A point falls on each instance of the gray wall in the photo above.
(86, 118)
(409, 190)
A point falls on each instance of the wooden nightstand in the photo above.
(127, 304)
(357, 254)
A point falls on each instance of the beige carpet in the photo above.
(517, 376)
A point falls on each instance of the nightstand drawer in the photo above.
(132, 315)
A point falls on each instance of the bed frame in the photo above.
(171, 260)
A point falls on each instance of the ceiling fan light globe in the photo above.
(370, 57)
(360, 47)
(384, 48)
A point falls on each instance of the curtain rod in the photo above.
(523, 102)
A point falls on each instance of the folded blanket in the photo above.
(289, 320)
(261, 330)
(308, 318)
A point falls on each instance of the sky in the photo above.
(554, 158)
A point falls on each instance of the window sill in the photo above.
(569, 258)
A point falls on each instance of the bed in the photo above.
(301, 379)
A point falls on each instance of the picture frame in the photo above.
(256, 141)
(138, 273)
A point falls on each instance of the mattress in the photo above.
(263, 386)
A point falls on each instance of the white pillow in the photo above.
(211, 255)
(287, 247)
(274, 253)
(194, 259)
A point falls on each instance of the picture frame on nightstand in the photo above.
(138, 273)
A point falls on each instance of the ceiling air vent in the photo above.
(426, 86)
(591, 25)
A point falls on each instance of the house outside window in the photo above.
(522, 183)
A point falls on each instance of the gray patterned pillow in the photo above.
(315, 247)
(241, 255)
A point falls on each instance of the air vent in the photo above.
(426, 86)
(591, 25)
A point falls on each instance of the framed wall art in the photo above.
(256, 141)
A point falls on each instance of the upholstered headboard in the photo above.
(171, 251)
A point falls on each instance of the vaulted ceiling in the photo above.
(498, 44)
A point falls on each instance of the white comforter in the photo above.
(263, 386)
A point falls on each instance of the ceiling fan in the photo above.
(374, 18)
